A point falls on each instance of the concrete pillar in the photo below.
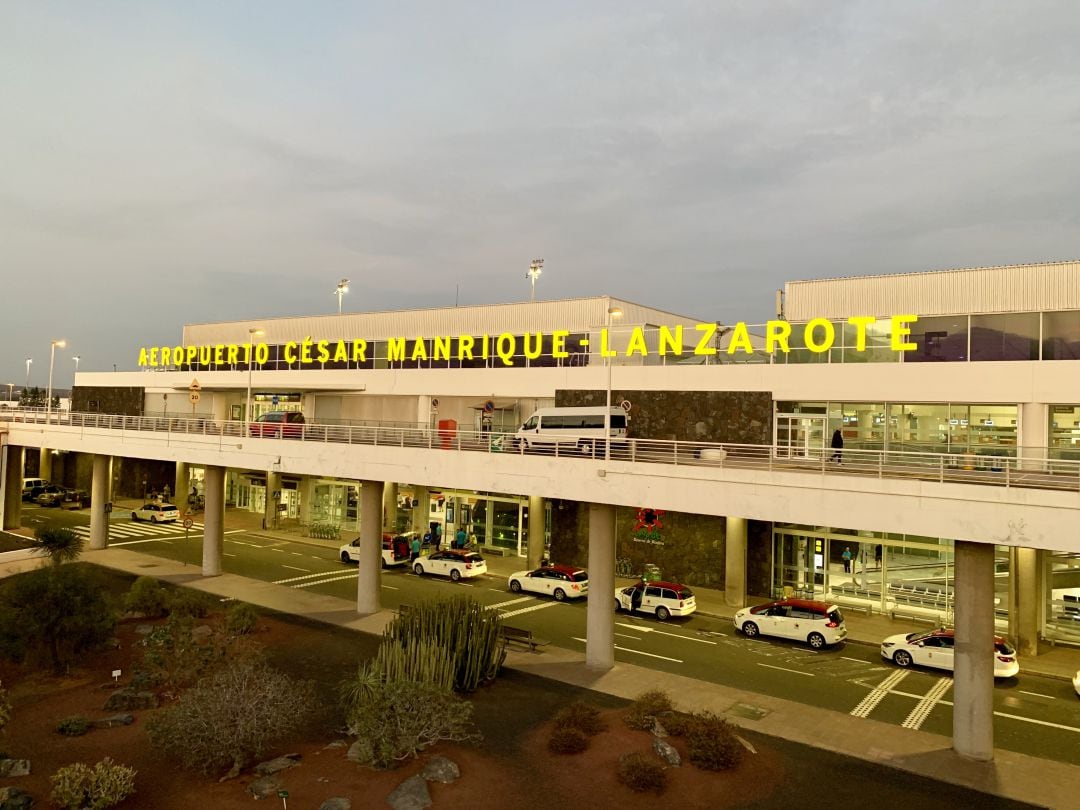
(213, 521)
(973, 678)
(389, 507)
(368, 581)
(270, 505)
(1034, 435)
(537, 524)
(1024, 577)
(45, 465)
(99, 496)
(422, 510)
(181, 486)
(600, 635)
(735, 562)
(13, 480)
(307, 495)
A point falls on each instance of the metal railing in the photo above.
(1031, 469)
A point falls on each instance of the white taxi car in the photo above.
(936, 649)
(157, 513)
(664, 599)
(395, 551)
(819, 624)
(454, 563)
(561, 581)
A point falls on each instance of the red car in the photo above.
(278, 425)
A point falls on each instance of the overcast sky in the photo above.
(167, 163)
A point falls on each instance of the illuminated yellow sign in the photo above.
(818, 336)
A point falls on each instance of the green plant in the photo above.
(580, 716)
(5, 707)
(237, 715)
(567, 740)
(146, 596)
(189, 603)
(79, 786)
(240, 619)
(711, 742)
(176, 657)
(646, 707)
(677, 724)
(59, 543)
(641, 773)
(74, 726)
(399, 719)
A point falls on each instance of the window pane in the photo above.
(1061, 335)
(941, 339)
(1005, 337)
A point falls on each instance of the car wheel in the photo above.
(134, 517)
(515, 586)
(345, 557)
(902, 658)
(384, 565)
(524, 446)
(618, 605)
(663, 614)
(418, 569)
(750, 630)
(153, 519)
(560, 595)
(816, 640)
(585, 448)
(455, 575)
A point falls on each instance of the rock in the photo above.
(265, 787)
(14, 767)
(336, 803)
(666, 752)
(144, 629)
(113, 721)
(360, 751)
(337, 744)
(11, 798)
(202, 631)
(278, 764)
(658, 729)
(441, 769)
(128, 699)
(412, 794)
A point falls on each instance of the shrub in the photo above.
(244, 709)
(580, 716)
(176, 657)
(59, 543)
(641, 773)
(399, 719)
(186, 603)
(5, 708)
(711, 743)
(74, 726)
(146, 596)
(240, 619)
(568, 740)
(648, 706)
(79, 786)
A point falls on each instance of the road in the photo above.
(1033, 715)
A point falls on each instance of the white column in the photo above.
(389, 507)
(735, 562)
(367, 583)
(1028, 596)
(213, 521)
(307, 495)
(13, 479)
(1034, 434)
(270, 505)
(45, 466)
(973, 678)
(99, 496)
(600, 636)
(537, 524)
(422, 509)
(181, 486)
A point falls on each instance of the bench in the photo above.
(899, 612)
(848, 604)
(521, 636)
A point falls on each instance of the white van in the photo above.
(569, 428)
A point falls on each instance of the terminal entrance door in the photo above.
(799, 435)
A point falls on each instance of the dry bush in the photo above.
(646, 707)
(582, 717)
(641, 773)
(568, 740)
(711, 743)
(80, 787)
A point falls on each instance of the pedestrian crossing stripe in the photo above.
(926, 704)
(541, 606)
(878, 693)
(139, 531)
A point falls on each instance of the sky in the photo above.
(165, 163)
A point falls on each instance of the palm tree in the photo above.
(59, 544)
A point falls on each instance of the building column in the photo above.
(1028, 596)
(537, 524)
(973, 678)
(181, 486)
(99, 496)
(370, 562)
(45, 465)
(600, 635)
(270, 504)
(422, 510)
(213, 521)
(13, 481)
(389, 507)
(735, 562)
(1034, 435)
(307, 495)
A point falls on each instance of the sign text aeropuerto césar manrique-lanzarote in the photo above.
(818, 336)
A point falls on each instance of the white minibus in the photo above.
(570, 428)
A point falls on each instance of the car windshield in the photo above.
(579, 576)
(836, 616)
(684, 592)
(473, 558)
(1004, 648)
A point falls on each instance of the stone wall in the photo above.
(102, 399)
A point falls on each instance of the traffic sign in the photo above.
(188, 523)
(194, 386)
(193, 396)
(625, 405)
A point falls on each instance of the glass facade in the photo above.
(1065, 432)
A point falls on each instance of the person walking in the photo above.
(846, 557)
(877, 555)
(415, 548)
(461, 539)
(837, 445)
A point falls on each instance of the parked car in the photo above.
(936, 649)
(278, 425)
(1076, 682)
(560, 581)
(50, 495)
(664, 599)
(156, 513)
(29, 485)
(395, 551)
(817, 623)
(76, 499)
(453, 563)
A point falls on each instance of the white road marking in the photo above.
(632, 638)
(541, 606)
(878, 693)
(279, 550)
(926, 704)
(136, 542)
(785, 669)
(685, 638)
(636, 652)
(390, 587)
(308, 576)
(511, 602)
(227, 554)
(316, 557)
(858, 660)
(636, 627)
(1037, 722)
(294, 568)
(297, 553)
(1036, 694)
(322, 581)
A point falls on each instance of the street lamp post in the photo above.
(252, 333)
(29, 361)
(52, 361)
(10, 391)
(342, 288)
(613, 312)
(536, 267)
(76, 358)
